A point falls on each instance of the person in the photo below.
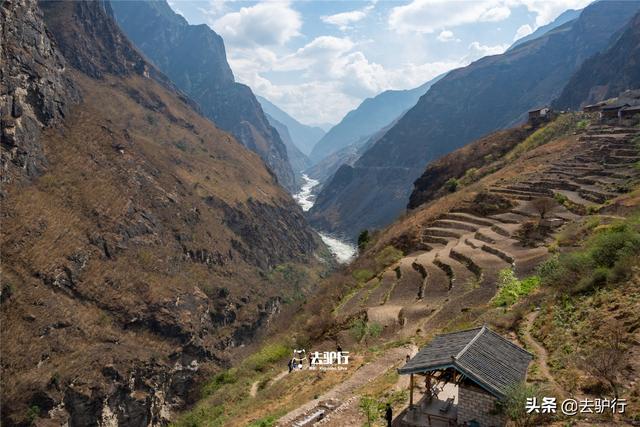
(339, 348)
(290, 364)
(388, 415)
(408, 358)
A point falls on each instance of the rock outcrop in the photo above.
(194, 58)
(35, 91)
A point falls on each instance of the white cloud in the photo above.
(447, 36)
(495, 14)
(344, 19)
(427, 16)
(523, 30)
(478, 50)
(270, 23)
(333, 72)
(546, 10)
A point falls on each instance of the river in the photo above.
(342, 250)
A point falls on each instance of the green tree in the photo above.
(363, 239)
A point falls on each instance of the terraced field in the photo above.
(460, 253)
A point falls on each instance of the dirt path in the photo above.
(254, 386)
(540, 352)
(345, 391)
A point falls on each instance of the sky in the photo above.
(319, 59)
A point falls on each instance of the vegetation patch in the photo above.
(564, 125)
(388, 256)
(607, 257)
(511, 289)
(267, 355)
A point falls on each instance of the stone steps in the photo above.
(457, 225)
(465, 217)
(441, 232)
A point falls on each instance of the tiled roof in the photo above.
(487, 358)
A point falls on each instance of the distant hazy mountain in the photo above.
(299, 161)
(492, 93)
(194, 58)
(608, 73)
(563, 18)
(370, 116)
(303, 136)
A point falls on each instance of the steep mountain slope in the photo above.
(563, 18)
(193, 57)
(607, 73)
(137, 239)
(324, 170)
(370, 116)
(299, 161)
(468, 258)
(489, 94)
(305, 137)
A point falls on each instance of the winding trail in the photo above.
(254, 387)
(540, 352)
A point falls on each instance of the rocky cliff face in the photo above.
(303, 136)
(136, 251)
(35, 91)
(194, 58)
(608, 73)
(298, 160)
(490, 94)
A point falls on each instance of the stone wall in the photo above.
(476, 404)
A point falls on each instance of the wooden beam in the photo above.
(411, 391)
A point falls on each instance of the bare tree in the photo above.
(543, 205)
(606, 359)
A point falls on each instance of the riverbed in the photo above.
(342, 250)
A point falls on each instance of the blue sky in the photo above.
(319, 59)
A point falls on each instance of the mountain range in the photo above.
(563, 18)
(303, 136)
(369, 117)
(492, 93)
(607, 73)
(194, 58)
(139, 242)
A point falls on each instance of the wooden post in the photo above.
(411, 391)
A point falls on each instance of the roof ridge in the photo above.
(460, 331)
(466, 347)
(510, 343)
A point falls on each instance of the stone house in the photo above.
(465, 375)
(539, 115)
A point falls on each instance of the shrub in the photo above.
(33, 413)
(363, 240)
(514, 405)
(452, 185)
(362, 275)
(265, 422)
(267, 355)
(511, 289)
(388, 256)
(229, 376)
(370, 408)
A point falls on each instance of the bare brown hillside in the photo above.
(139, 251)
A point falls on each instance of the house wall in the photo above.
(476, 404)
